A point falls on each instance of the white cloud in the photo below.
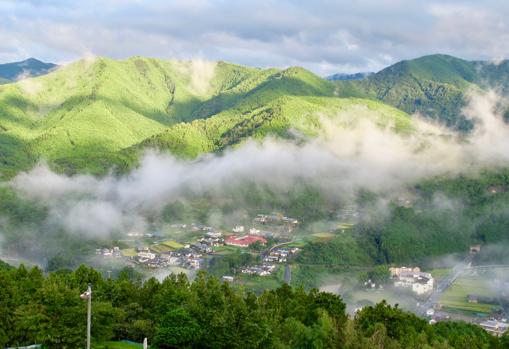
(325, 36)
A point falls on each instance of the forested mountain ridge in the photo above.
(84, 117)
(434, 85)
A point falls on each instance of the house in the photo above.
(496, 328)
(214, 235)
(244, 241)
(473, 298)
(146, 255)
(238, 229)
(419, 282)
(227, 278)
(396, 271)
(254, 231)
(475, 249)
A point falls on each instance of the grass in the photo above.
(322, 237)
(166, 246)
(455, 297)
(129, 252)
(172, 244)
(118, 345)
(224, 250)
(440, 273)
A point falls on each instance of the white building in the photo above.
(146, 255)
(254, 231)
(419, 282)
(238, 229)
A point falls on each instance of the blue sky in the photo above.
(322, 35)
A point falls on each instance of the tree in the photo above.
(177, 329)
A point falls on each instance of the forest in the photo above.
(176, 313)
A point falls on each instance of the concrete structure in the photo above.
(496, 328)
(396, 271)
(419, 282)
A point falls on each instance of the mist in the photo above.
(351, 153)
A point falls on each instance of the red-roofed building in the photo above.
(244, 241)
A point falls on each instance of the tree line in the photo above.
(206, 313)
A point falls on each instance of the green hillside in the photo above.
(94, 113)
(433, 86)
(282, 117)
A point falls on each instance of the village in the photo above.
(200, 243)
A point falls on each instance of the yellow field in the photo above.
(322, 236)
(128, 252)
(166, 246)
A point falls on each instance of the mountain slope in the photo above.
(91, 114)
(27, 68)
(290, 117)
(90, 108)
(434, 86)
(431, 85)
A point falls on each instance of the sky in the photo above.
(321, 35)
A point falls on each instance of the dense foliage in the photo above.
(204, 314)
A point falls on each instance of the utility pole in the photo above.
(88, 296)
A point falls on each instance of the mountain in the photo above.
(348, 77)
(92, 114)
(435, 86)
(28, 68)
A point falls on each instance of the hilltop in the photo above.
(28, 68)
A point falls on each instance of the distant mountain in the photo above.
(348, 77)
(432, 85)
(27, 68)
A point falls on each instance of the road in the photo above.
(266, 252)
(443, 285)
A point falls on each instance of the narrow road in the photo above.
(266, 252)
(443, 285)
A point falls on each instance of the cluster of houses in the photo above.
(189, 258)
(106, 252)
(260, 270)
(275, 218)
(191, 227)
(280, 255)
(414, 279)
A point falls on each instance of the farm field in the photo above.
(455, 298)
(166, 246)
